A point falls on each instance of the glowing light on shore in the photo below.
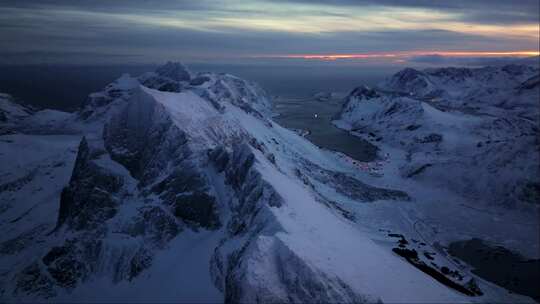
(408, 54)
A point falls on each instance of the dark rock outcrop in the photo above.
(90, 198)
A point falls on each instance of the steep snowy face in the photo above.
(471, 130)
(197, 195)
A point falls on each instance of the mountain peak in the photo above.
(364, 92)
(408, 73)
(175, 71)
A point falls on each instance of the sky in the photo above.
(265, 31)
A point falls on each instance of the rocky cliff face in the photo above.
(183, 182)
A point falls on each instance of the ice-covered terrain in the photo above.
(179, 187)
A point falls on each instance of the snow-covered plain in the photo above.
(179, 187)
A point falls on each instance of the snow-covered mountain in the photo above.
(474, 131)
(177, 186)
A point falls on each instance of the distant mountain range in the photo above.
(474, 131)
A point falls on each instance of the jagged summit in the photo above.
(175, 71)
(219, 89)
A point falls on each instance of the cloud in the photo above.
(472, 61)
(110, 6)
(152, 31)
(480, 11)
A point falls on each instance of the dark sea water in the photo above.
(316, 116)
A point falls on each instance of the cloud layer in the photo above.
(138, 31)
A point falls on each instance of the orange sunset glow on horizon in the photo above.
(408, 54)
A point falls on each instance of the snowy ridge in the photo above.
(185, 179)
